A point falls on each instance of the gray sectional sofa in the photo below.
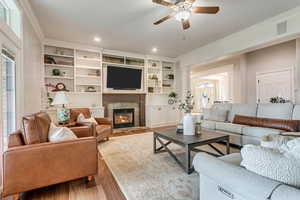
(224, 179)
(242, 134)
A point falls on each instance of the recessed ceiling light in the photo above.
(154, 50)
(97, 39)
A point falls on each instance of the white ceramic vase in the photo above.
(188, 124)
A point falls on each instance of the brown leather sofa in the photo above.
(31, 162)
(102, 130)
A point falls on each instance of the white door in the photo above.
(275, 84)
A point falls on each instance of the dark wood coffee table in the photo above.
(189, 143)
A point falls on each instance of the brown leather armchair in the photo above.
(102, 130)
(31, 162)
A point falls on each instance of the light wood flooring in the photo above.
(103, 187)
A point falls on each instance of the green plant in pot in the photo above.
(56, 72)
(172, 98)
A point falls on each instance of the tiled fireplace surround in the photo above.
(126, 101)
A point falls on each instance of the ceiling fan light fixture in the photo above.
(97, 39)
(154, 49)
(183, 15)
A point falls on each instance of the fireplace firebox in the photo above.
(123, 118)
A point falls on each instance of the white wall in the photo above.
(257, 36)
(245, 68)
(268, 59)
(32, 56)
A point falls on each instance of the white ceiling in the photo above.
(127, 25)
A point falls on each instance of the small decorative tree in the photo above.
(188, 104)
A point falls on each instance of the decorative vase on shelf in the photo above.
(188, 124)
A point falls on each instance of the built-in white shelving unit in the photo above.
(83, 72)
(88, 71)
(59, 66)
(168, 77)
(154, 77)
(79, 70)
(59, 77)
(160, 77)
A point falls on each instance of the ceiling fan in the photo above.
(182, 10)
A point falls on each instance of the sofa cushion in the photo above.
(222, 106)
(43, 122)
(16, 139)
(242, 109)
(274, 141)
(102, 128)
(272, 164)
(208, 124)
(59, 134)
(286, 125)
(81, 118)
(212, 114)
(30, 133)
(229, 127)
(234, 159)
(36, 128)
(275, 111)
(250, 140)
(296, 113)
(74, 112)
(259, 131)
(231, 179)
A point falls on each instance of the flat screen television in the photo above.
(123, 78)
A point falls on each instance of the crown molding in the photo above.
(27, 9)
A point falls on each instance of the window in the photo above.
(4, 12)
(8, 72)
(10, 14)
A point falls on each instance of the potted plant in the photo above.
(278, 100)
(187, 106)
(172, 98)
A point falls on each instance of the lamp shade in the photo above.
(60, 99)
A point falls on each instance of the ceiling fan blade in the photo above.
(164, 3)
(165, 18)
(185, 24)
(205, 10)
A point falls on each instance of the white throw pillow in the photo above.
(81, 118)
(215, 114)
(272, 164)
(274, 141)
(292, 149)
(58, 134)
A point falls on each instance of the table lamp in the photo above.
(62, 113)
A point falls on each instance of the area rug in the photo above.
(143, 175)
